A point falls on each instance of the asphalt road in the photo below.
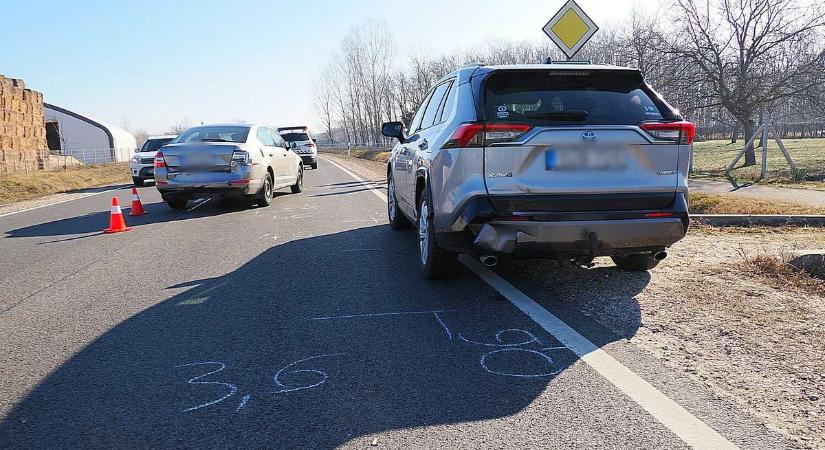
(301, 325)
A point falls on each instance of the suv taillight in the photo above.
(160, 162)
(473, 135)
(677, 132)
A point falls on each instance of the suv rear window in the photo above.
(152, 145)
(295, 137)
(572, 97)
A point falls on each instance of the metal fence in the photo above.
(91, 156)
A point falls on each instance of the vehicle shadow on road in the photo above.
(315, 343)
(605, 293)
(93, 224)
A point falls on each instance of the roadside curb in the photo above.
(733, 220)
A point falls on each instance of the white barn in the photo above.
(88, 140)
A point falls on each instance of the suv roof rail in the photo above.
(549, 60)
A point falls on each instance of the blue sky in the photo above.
(152, 63)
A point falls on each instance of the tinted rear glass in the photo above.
(295, 137)
(152, 145)
(235, 134)
(561, 98)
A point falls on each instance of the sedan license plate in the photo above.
(585, 159)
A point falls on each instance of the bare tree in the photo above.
(750, 54)
(179, 127)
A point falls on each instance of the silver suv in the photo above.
(556, 160)
(247, 161)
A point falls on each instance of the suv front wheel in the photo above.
(398, 220)
(434, 261)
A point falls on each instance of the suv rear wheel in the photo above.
(636, 263)
(434, 261)
(398, 220)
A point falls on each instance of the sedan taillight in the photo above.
(677, 132)
(240, 158)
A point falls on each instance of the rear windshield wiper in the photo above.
(565, 116)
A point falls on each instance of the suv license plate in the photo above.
(586, 159)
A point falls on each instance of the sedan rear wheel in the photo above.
(298, 187)
(264, 198)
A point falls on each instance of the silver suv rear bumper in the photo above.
(612, 236)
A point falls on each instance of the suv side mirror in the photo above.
(293, 145)
(393, 130)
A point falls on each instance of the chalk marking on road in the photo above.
(676, 418)
(443, 325)
(232, 388)
(80, 197)
(363, 182)
(243, 402)
(287, 388)
(533, 339)
(548, 359)
(384, 314)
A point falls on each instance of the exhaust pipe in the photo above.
(660, 256)
(489, 261)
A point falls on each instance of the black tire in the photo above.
(433, 261)
(298, 187)
(636, 263)
(315, 166)
(264, 197)
(138, 182)
(176, 203)
(398, 221)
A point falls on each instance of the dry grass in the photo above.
(712, 157)
(778, 273)
(361, 153)
(701, 203)
(20, 187)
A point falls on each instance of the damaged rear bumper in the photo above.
(569, 234)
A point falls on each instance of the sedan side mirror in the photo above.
(393, 130)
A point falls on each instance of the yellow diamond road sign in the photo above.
(570, 28)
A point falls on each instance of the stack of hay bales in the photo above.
(22, 127)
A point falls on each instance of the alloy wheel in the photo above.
(424, 232)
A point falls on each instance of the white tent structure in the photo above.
(88, 140)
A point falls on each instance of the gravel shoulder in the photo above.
(743, 336)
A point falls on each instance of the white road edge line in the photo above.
(364, 182)
(676, 418)
(81, 197)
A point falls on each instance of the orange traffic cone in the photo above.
(137, 206)
(117, 224)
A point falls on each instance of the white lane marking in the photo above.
(677, 419)
(81, 197)
(403, 313)
(199, 205)
(364, 182)
(443, 325)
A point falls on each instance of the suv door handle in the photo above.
(424, 145)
